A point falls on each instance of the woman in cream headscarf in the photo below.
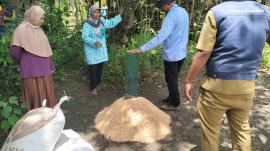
(31, 49)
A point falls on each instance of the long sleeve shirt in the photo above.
(30, 64)
(90, 35)
(173, 35)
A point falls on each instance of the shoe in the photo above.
(170, 107)
(167, 100)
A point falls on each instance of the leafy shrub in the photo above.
(64, 37)
(9, 78)
(11, 109)
(148, 62)
(266, 57)
(190, 53)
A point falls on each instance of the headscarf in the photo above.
(30, 37)
(93, 22)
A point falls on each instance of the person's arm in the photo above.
(15, 52)
(52, 65)
(166, 29)
(87, 36)
(205, 47)
(110, 23)
(199, 61)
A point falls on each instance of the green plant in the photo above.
(190, 53)
(11, 110)
(64, 34)
(266, 57)
(148, 17)
(114, 68)
(148, 62)
(70, 52)
(10, 107)
(9, 77)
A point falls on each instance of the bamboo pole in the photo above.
(191, 11)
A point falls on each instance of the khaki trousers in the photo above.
(211, 108)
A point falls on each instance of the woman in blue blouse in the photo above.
(94, 37)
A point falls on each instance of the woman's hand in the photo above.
(98, 44)
(120, 11)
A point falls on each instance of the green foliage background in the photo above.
(64, 33)
(11, 109)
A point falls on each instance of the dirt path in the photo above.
(80, 114)
(81, 111)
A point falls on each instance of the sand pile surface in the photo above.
(135, 119)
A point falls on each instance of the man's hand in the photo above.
(187, 90)
(133, 51)
(98, 44)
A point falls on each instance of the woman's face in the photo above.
(39, 21)
(96, 14)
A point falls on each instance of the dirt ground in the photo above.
(81, 111)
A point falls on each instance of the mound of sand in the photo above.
(135, 119)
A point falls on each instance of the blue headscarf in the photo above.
(93, 22)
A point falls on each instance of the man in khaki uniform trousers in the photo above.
(230, 46)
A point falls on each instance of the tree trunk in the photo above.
(129, 20)
(21, 5)
(191, 12)
(52, 2)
